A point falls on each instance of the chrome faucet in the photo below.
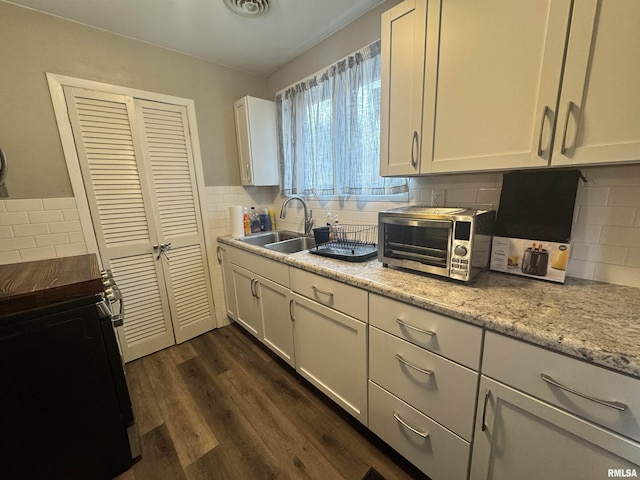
(308, 214)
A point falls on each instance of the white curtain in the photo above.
(329, 131)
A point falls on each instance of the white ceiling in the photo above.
(207, 29)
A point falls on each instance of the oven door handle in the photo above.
(414, 222)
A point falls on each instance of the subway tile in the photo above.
(597, 196)
(12, 256)
(623, 236)
(66, 226)
(23, 205)
(6, 232)
(620, 216)
(76, 237)
(7, 244)
(46, 216)
(59, 203)
(624, 196)
(14, 218)
(31, 229)
(51, 239)
(455, 196)
(633, 257)
(3, 209)
(600, 253)
(489, 195)
(581, 269)
(617, 274)
(70, 214)
(613, 175)
(586, 233)
(70, 249)
(41, 253)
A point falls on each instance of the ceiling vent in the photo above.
(248, 8)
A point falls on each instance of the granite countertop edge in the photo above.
(592, 321)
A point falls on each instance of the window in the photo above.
(329, 131)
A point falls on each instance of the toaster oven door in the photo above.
(418, 244)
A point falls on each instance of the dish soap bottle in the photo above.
(254, 220)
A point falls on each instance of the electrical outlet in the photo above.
(437, 198)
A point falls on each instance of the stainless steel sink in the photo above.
(262, 239)
(292, 245)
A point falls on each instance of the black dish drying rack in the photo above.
(353, 243)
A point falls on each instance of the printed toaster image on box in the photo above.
(530, 258)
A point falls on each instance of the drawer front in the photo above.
(451, 338)
(441, 455)
(333, 294)
(522, 365)
(270, 269)
(443, 390)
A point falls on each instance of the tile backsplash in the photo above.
(606, 228)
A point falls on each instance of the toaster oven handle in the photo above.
(416, 222)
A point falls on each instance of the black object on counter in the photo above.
(537, 205)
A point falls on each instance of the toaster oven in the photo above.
(451, 242)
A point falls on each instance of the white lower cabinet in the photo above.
(518, 436)
(545, 415)
(331, 352)
(227, 280)
(428, 445)
(262, 305)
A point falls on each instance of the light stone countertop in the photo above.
(593, 321)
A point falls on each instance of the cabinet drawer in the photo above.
(270, 269)
(522, 365)
(334, 294)
(441, 455)
(446, 336)
(437, 387)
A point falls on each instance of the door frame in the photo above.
(56, 83)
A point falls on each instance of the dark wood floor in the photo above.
(222, 406)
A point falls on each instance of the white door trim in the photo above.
(56, 83)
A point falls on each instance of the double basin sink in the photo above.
(283, 241)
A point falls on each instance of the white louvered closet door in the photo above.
(116, 161)
(167, 148)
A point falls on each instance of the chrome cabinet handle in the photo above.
(248, 172)
(484, 409)
(409, 427)
(414, 147)
(293, 318)
(253, 292)
(563, 146)
(323, 292)
(427, 332)
(616, 405)
(219, 254)
(411, 365)
(544, 116)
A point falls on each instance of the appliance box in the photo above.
(530, 258)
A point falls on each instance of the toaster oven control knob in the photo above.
(460, 250)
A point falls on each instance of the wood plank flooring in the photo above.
(222, 406)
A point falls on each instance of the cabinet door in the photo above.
(518, 436)
(227, 282)
(277, 322)
(499, 68)
(403, 33)
(331, 352)
(256, 138)
(248, 313)
(599, 111)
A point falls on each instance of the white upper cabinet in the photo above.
(599, 109)
(510, 85)
(409, 39)
(499, 70)
(256, 136)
